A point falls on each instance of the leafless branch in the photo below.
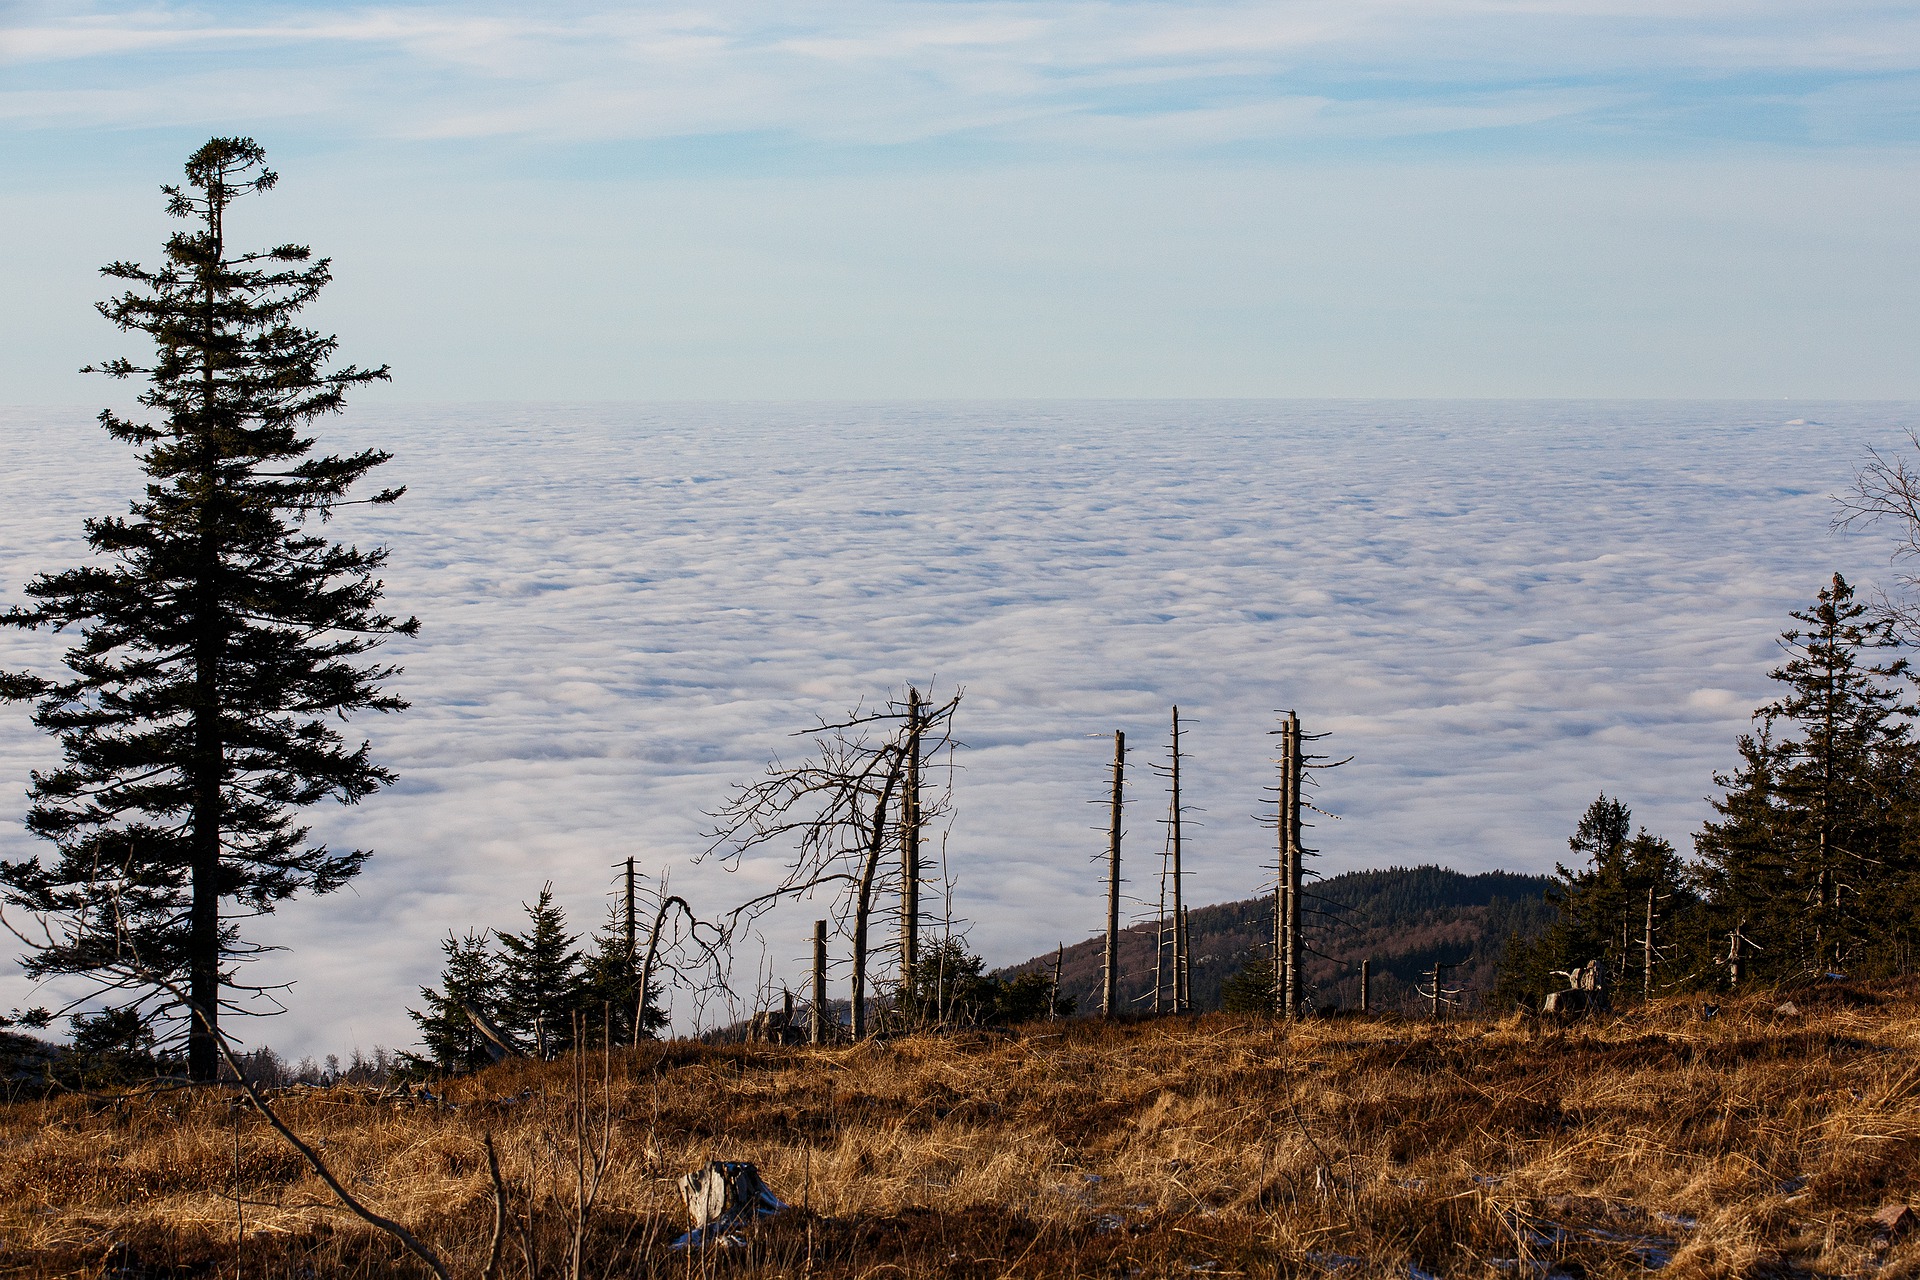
(1886, 488)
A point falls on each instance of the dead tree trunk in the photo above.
(1646, 975)
(631, 945)
(1181, 997)
(1185, 978)
(863, 903)
(910, 845)
(1288, 946)
(1162, 946)
(1110, 982)
(641, 1003)
(1282, 859)
(1296, 941)
(819, 1027)
(840, 804)
(1053, 1001)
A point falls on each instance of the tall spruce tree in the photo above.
(540, 978)
(219, 633)
(1809, 860)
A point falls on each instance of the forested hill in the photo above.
(1404, 918)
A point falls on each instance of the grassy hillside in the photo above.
(1759, 1143)
(1404, 919)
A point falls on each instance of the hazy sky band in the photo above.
(1154, 77)
(880, 201)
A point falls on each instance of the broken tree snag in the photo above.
(1366, 986)
(498, 1045)
(819, 1027)
(1053, 1002)
(1586, 992)
(769, 1027)
(1110, 981)
(721, 1196)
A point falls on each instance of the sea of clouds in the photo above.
(1498, 609)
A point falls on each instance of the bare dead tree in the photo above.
(1886, 488)
(1298, 767)
(1110, 965)
(911, 826)
(691, 955)
(836, 810)
(1170, 954)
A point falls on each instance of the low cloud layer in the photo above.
(1498, 609)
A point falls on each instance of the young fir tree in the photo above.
(218, 633)
(1808, 860)
(109, 1047)
(471, 980)
(610, 988)
(1253, 989)
(948, 984)
(540, 978)
(1602, 909)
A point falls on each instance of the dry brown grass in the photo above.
(1754, 1144)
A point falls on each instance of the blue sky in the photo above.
(861, 199)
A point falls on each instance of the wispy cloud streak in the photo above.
(871, 73)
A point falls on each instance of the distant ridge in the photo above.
(1404, 918)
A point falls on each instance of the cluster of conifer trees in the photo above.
(1811, 863)
(534, 987)
(949, 985)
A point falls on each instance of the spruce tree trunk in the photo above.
(203, 963)
(203, 954)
